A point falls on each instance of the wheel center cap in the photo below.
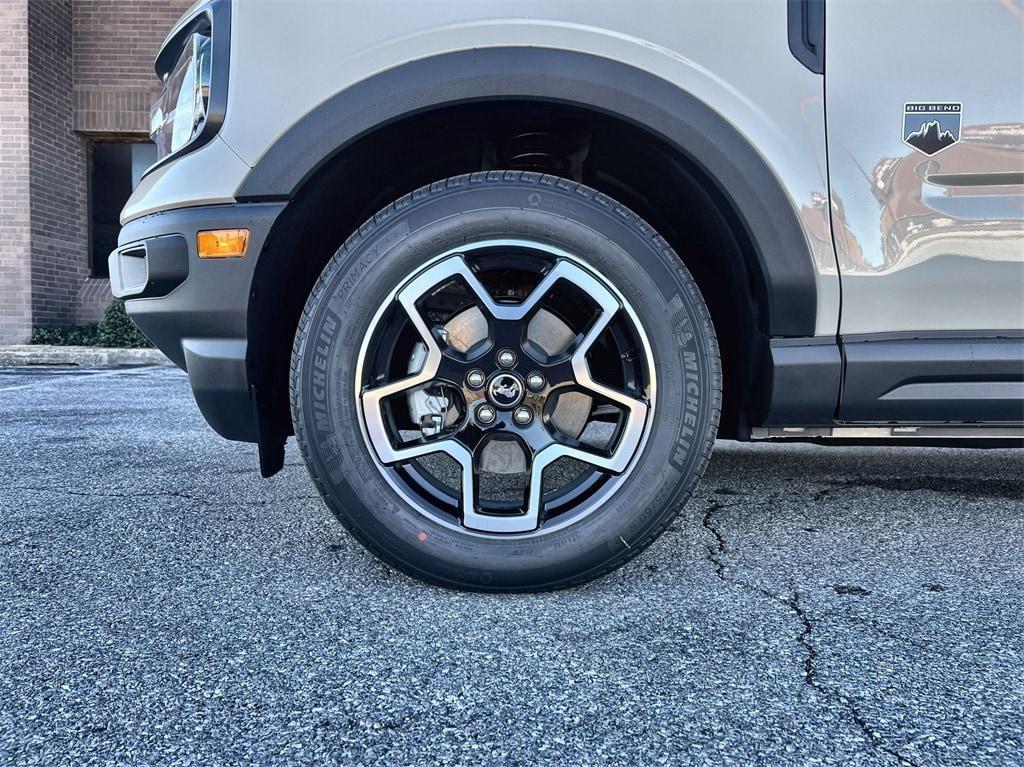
(506, 390)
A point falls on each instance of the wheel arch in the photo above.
(760, 211)
(581, 79)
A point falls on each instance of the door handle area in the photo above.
(806, 23)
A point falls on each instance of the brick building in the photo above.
(76, 85)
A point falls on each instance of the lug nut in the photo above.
(506, 358)
(486, 414)
(535, 381)
(522, 415)
(475, 379)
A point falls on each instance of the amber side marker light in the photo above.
(222, 243)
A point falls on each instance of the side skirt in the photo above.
(908, 386)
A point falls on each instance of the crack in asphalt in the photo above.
(716, 553)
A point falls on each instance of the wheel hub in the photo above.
(506, 390)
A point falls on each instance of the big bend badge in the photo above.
(931, 127)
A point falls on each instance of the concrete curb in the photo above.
(85, 356)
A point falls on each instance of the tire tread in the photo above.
(684, 491)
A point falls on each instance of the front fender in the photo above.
(677, 117)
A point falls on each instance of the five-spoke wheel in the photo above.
(505, 381)
(506, 338)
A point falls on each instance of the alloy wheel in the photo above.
(506, 388)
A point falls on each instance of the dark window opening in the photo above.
(115, 167)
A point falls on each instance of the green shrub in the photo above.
(116, 329)
(79, 335)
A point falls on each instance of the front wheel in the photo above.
(505, 381)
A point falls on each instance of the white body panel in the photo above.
(288, 56)
(921, 256)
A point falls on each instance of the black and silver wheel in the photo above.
(505, 381)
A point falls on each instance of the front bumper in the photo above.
(195, 310)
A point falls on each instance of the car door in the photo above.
(924, 108)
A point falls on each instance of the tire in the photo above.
(502, 224)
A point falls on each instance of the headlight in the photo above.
(193, 69)
(180, 112)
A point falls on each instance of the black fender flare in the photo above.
(584, 80)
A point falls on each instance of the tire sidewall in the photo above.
(403, 239)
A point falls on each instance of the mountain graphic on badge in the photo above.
(931, 127)
(930, 138)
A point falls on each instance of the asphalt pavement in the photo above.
(162, 604)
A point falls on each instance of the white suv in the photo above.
(506, 270)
